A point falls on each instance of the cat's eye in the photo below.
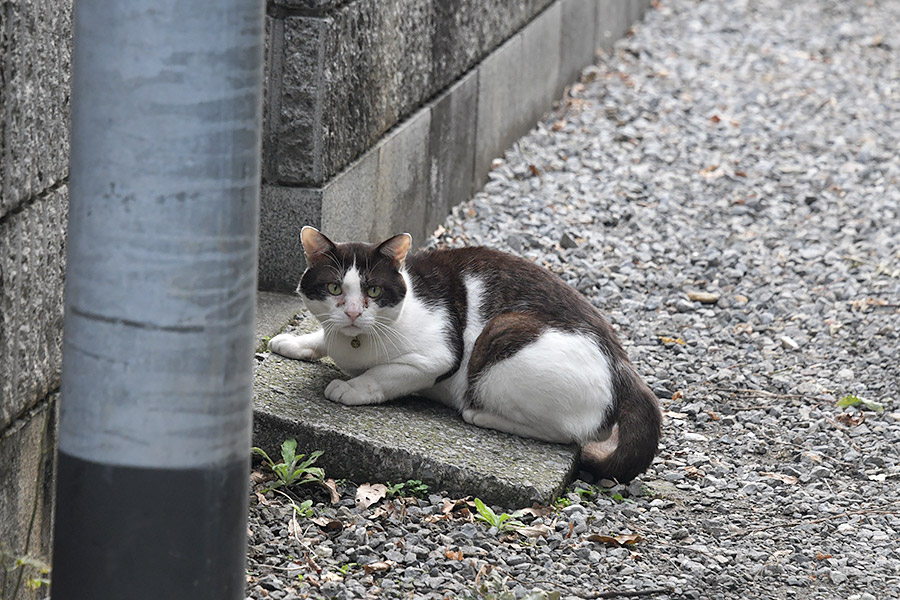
(334, 289)
(373, 291)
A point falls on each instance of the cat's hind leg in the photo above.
(310, 346)
(489, 420)
(529, 378)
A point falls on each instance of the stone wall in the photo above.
(35, 60)
(383, 114)
(380, 115)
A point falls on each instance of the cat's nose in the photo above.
(352, 314)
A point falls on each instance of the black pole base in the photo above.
(137, 533)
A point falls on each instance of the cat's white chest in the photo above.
(417, 337)
(356, 355)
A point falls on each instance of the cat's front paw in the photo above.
(300, 347)
(355, 392)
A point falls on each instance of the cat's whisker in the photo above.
(391, 333)
(379, 342)
(380, 330)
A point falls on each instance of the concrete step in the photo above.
(411, 438)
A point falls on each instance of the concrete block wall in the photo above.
(35, 63)
(383, 114)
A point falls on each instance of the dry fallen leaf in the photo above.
(821, 556)
(453, 505)
(331, 486)
(534, 531)
(294, 529)
(386, 509)
(328, 524)
(377, 567)
(615, 540)
(669, 340)
(850, 420)
(678, 395)
(453, 554)
(367, 495)
(788, 479)
(313, 565)
(536, 511)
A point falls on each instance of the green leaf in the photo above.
(265, 456)
(872, 405)
(851, 400)
(485, 513)
(288, 450)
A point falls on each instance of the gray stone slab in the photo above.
(26, 489)
(32, 272)
(637, 10)
(403, 180)
(377, 70)
(452, 149)
(311, 5)
(35, 65)
(283, 211)
(539, 67)
(343, 210)
(345, 76)
(613, 20)
(516, 86)
(273, 312)
(293, 143)
(578, 33)
(272, 94)
(406, 439)
(499, 77)
(465, 31)
(349, 203)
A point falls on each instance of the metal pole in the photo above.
(155, 422)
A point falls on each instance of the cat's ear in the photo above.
(314, 243)
(396, 248)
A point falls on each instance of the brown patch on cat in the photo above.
(639, 424)
(501, 337)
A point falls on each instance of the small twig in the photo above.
(813, 521)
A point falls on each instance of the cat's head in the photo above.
(352, 288)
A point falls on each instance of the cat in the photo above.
(503, 341)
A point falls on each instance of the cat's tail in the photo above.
(630, 449)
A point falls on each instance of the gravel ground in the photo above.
(726, 188)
